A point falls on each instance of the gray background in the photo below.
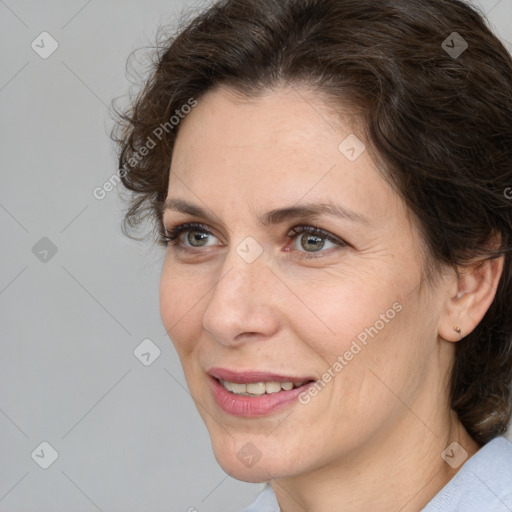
(128, 436)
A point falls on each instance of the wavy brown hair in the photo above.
(438, 125)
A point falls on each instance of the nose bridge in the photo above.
(240, 301)
(244, 269)
(239, 281)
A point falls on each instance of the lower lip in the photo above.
(259, 405)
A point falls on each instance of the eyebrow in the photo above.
(275, 216)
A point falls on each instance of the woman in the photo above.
(330, 180)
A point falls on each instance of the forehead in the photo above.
(285, 146)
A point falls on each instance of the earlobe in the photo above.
(475, 290)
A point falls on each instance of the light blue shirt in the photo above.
(482, 484)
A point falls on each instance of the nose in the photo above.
(243, 305)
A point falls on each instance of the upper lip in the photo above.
(251, 376)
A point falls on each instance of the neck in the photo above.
(398, 470)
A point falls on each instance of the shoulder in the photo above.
(265, 502)
(484, 482)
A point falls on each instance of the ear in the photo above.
(470, 297)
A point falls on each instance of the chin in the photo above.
(244, 459)
(255, 475)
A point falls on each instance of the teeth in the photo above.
(256, 388)
(238, 388)
(259, 388)
(273, 387)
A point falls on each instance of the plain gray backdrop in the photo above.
(76, 296)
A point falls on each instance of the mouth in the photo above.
(259, 388)
(255, 393)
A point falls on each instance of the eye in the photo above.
(311, 239)
(188, 235)
(307, 240)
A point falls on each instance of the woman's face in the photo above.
(251, 296)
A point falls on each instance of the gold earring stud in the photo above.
(457, 329)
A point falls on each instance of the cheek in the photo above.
(362, 331)
(180, 308)
(342, 310)
(382, 357)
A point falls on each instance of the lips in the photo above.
(232, 391)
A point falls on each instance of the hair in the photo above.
(439, 124)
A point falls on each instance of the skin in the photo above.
(375, 433)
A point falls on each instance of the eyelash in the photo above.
(171, 236)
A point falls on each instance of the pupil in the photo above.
(196, 236)
(312, 239)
